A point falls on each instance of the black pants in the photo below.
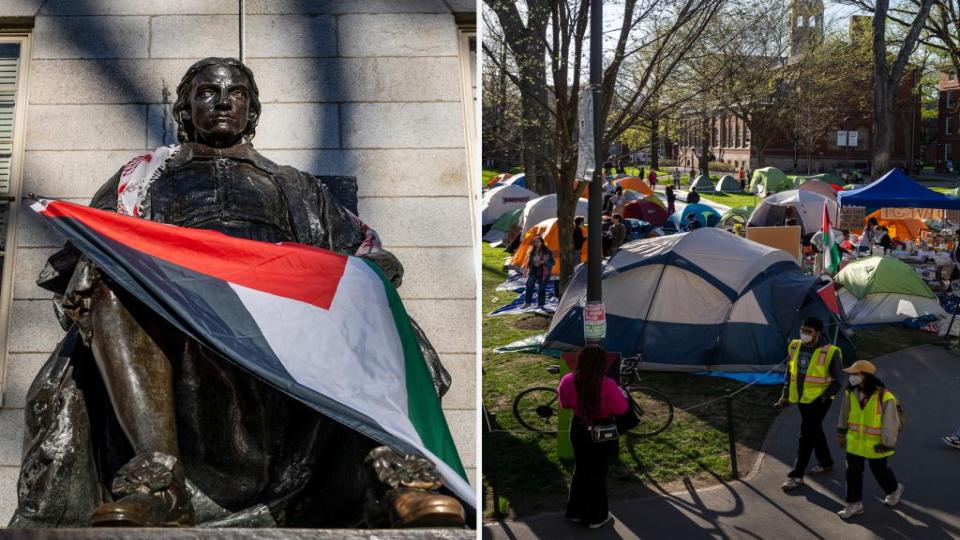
(588, 489)
(880, 470)
(812, 438)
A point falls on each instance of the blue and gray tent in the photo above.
(701, 301)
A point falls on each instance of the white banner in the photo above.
(841, 138)
(852, 138)
(586, 162)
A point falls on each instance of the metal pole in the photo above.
(490, 421)
(733, 437)
(242, 11)
(594, 222)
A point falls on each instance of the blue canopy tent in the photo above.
(896, 190)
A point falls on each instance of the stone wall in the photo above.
(369, 88)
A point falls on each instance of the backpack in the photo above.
(900, 413)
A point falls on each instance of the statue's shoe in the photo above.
(415, 508)
(142, 510)
(151, 492)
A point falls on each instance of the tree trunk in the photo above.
(705, 129)
(566, 207)
(655, 143)
(537, 176)
(883, 127)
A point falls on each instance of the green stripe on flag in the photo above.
(422, 402)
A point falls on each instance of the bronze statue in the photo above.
(132, 423)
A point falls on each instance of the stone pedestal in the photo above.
(238, 534)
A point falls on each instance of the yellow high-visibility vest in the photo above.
(865, 426)
(817, 377)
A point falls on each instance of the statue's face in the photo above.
(220, 105)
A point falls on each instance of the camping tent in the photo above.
(637, 228)
(549, 230)
(702, 183)
(821, 187)
(955, 193)
(884, 290)
(706, 215)
(904, 229)
(634, 183)
(498, 232)
(740, 214)
(774, 210)
(515, 180)
(543, 208)
(502, 199)
(705, 300)
(647, 210)
(727, 184)
(769, 180)
(826, 178)
(896, 190)
(497, 179)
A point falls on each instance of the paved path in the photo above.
(926, 380)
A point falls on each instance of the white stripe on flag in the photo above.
(351, 353)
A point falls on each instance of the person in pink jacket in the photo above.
(595, 399)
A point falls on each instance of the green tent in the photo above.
(739, 214)
(825, 177)
(848, 187)
(702, 183)
(508, 220)
(875, 275)
(727, 184)
(769, 180)
(955, 193)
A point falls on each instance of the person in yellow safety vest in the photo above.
(812, 381)
(868, 428)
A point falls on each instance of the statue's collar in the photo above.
(240, 152)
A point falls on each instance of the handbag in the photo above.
(604, 432)
(629, 419)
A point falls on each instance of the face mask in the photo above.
(855, 380)
(806, 338)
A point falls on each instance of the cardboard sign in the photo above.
(785, 238)
(851, 218)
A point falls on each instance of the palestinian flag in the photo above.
(831, 252)
(324, 328)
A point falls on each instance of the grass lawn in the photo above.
(530, 476)
(732, 200)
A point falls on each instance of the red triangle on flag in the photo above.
(829, 295)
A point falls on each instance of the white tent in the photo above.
(702, 183)
(543, 208)
(821, 187)
(808, 206)
(501, 199)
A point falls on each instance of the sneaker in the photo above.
(791, 483)
(820, 470)
(952, 441)
(894, 498)
(851, 510)
(602, 523)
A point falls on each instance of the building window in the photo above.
(811, 22)
(14, 52)
(800, 21)
(949, 98)
(946, 151)
(952, 75)
(948, 126)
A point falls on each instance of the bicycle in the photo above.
(538, 408)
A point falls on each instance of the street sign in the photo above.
(586, 161)
(594, 322)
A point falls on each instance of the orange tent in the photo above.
(498, 178)
(549, 230)
(634, 183)
(904, 229)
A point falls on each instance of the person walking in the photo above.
(640, 173)
(676, 178)
(618, 234)
(868, 429)
(595, 400)
(742, 178)
(812, 382)
(578, 237)
(671, 200)
(539, 267)
(652, 178)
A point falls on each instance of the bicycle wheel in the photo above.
(656, 411)
(537, 409)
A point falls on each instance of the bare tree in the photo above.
(887, 75)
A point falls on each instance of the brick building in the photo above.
(946, 144)
(380, 90)
(729, 136)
